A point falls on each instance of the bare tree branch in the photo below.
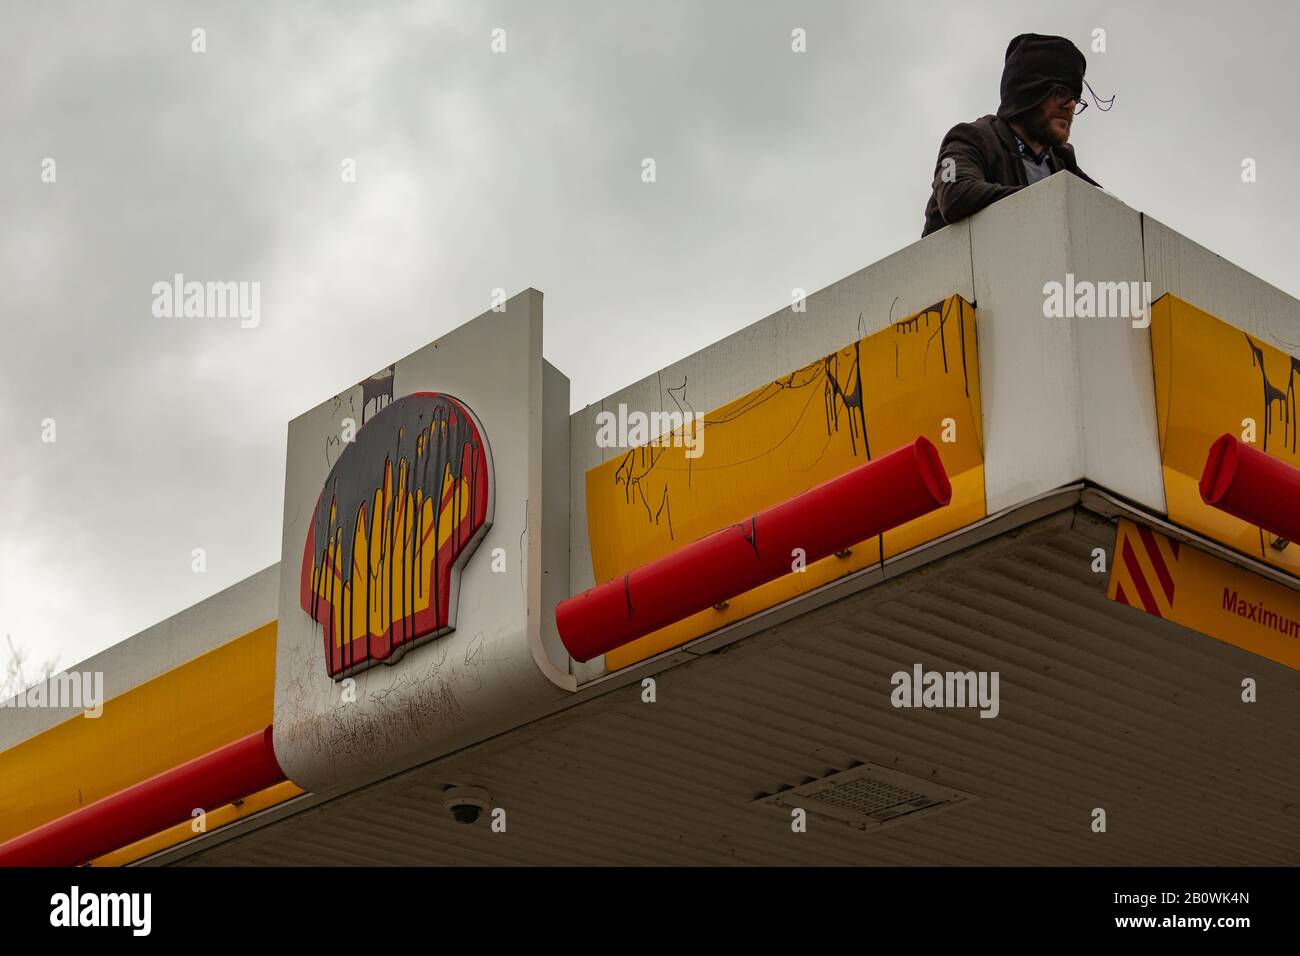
(19, 672)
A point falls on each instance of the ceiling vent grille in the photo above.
(868, 797)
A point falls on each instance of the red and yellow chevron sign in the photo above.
(1142, 569)
(1155, 574)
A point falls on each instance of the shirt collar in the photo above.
(1026, 152)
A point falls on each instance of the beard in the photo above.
(1039, 126)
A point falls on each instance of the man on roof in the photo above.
(1027, 140)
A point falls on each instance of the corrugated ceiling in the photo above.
(1101, 706)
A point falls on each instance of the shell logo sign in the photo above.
(402, 510)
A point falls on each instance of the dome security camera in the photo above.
(466, 804)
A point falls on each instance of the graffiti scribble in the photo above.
(836, 378)
(1285, 399)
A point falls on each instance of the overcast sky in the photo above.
(477, 170)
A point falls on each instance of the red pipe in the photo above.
(213, 780)
(823, 520)
(1253, 486)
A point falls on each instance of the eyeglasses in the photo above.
(1061, 96)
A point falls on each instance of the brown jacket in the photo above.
(988, 167)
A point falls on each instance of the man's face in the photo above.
(1051, 120)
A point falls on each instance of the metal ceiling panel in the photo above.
(1100, 707)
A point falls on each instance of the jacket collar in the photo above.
(1007, 136)
(1026, 152)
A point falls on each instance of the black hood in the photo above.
(1034, 65)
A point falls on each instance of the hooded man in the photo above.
(993, 157)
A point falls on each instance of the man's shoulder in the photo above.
(988, 121)
(985, 130)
